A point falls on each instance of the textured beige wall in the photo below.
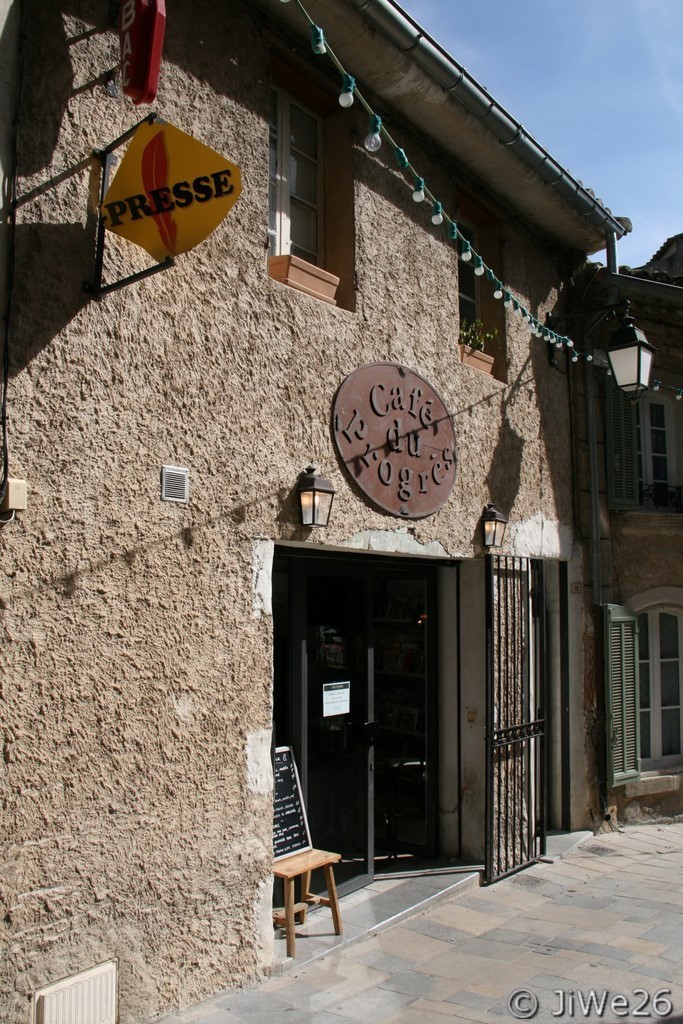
(135, 695)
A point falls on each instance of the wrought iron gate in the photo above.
(515, 726)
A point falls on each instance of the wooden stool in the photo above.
(301, 865)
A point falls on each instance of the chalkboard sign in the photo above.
(290, 828)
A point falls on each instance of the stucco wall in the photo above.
(136, 661)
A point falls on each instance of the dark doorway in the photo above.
(355, 697)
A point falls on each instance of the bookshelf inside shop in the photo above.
(400, 665)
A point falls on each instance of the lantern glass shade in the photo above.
(494, 523)
(631, 356)
(315, 497)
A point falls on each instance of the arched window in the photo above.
(660, 643)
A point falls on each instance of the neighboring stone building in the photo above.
(633, 505)
(153, 650)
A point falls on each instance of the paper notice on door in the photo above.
(336, 698)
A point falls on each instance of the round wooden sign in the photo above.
(396, 439)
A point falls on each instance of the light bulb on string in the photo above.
(346, 94)
(419, 190)
(453, 231)
(575, 357)
(656, 386)
(437, 213)
(466, 254)
(478, 266)
(498, 292)
(373, 140)
(679, 395)
(570, 343)
(589, 357)
(318, 40)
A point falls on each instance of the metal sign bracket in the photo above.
(96, 288)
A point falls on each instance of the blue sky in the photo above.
(599, 83)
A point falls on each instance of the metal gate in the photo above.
(515, 714)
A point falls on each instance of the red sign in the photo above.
(142, 40)
(396, 439)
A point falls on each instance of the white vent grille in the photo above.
(86, 998)
(175, 484)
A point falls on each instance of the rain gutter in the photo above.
(410, 38)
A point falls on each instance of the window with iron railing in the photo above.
(642, 453)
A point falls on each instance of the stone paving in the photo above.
(596, 936)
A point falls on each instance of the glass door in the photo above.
(405, 762)
(338, 718)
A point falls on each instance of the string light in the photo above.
(318, 40)
(679, 394)
(401, 158)
(347, 89)
(373, 140)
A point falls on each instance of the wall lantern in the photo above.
(316, 495)
(630, 355)
(494, 523)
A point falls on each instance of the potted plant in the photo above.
(472, 341)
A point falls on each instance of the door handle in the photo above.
(370, 733)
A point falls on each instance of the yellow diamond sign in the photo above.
(170, 191)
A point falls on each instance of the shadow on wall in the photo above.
(553, 391)
(45, 95)
(505, 473)
(52, 260)
(49, 289)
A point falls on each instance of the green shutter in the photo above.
(623, 712)
(622, 450)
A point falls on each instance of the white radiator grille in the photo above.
(175, 484)
(86, 998)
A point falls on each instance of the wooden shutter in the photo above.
(623, 712)
(622, 450)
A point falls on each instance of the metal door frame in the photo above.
(516, 701)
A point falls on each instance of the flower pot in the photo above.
(306, 277)
(476, 358)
